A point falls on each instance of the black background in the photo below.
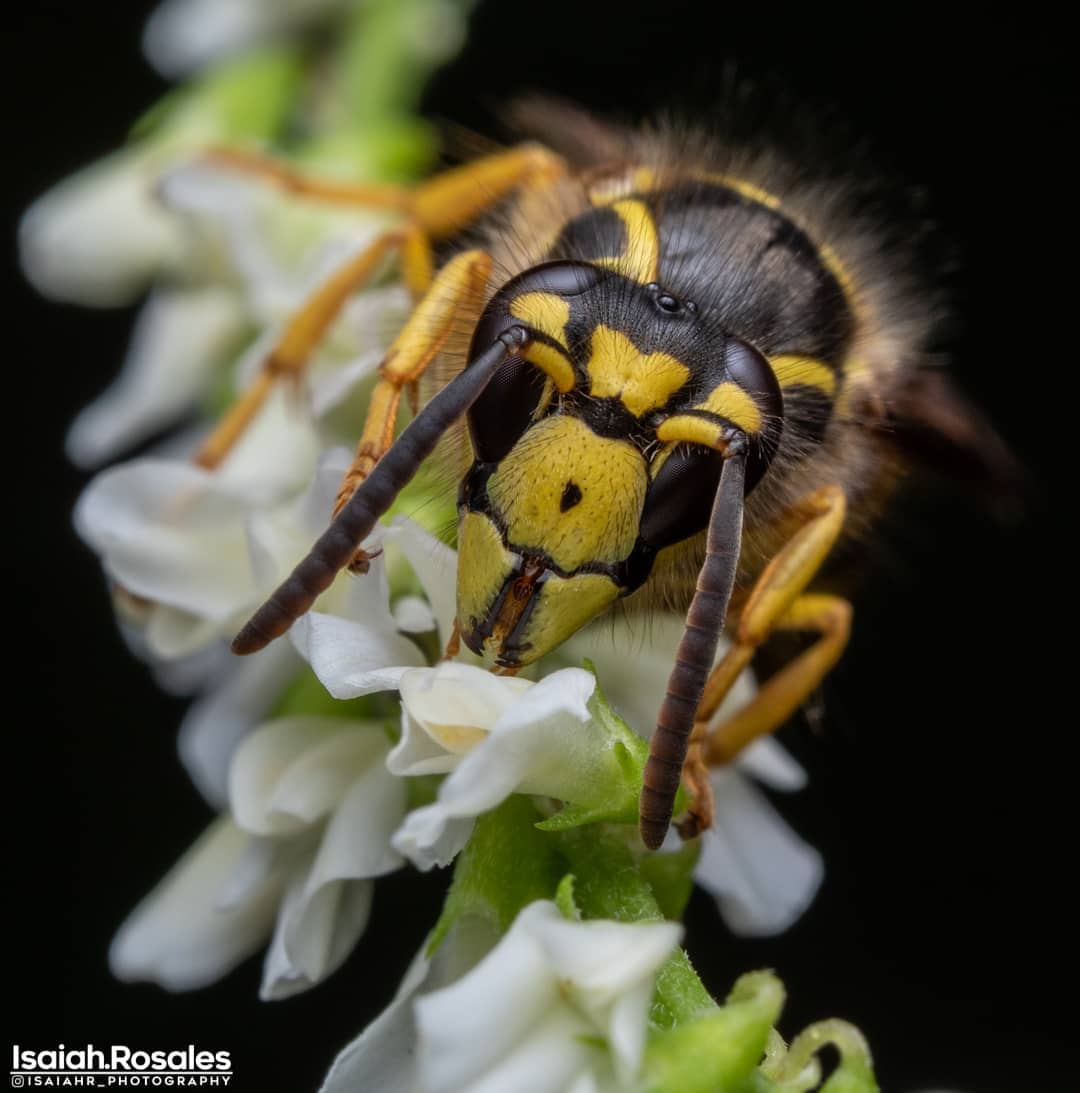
(937, 775)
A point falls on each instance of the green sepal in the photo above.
(720, 1050)
(855, 1074)
(564, 899)
(394, 150)
(609, 884)
(244, 99)
(617, 794)
(671, 877)
(389, 48)
(506, 865)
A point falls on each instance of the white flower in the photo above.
(184, 34)
(255, 254)
(186, 933)
(241, 696)
(496, 736)
(180, 339)
(761, 873)
(559, 1003)
(99, 236)
(312, 810)
(500, 735)
(201, 547)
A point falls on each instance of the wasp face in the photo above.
(568, 502)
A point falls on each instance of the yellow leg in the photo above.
(456, 296)
(432, 210)
(781, 696)
(440, 206)
(301, 336)
(778, 602)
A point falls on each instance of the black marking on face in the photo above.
(571, 496)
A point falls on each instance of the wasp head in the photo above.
(567, 502)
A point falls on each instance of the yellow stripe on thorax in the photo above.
(642, 381)
(792, 370)
(640, 259)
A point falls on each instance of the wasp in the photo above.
(684, 374)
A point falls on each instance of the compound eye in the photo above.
(680, 497)
(505, 409)
(751, 371)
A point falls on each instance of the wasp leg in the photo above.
(456, 296)
(300, 337)
(778, 602)
(440, 206)
(432, 210)
(784, 693)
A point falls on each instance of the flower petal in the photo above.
(184, 34)
(633, 657)
(292, 771)
(547, 988)
(544, 743)
(768, 761)
(413, 615)
(98, 237)
(178, 936)
(319, 928)
(610, 967)
(220, 718)
(457, 705)
(435, 564)
(353, 658)
(334, 924)
(507, 993)
(179, 339)
(383, 1056)
(762, 875)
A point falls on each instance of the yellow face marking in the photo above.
(642, 381)
(553, 364)
(543, 311)
(729, 400)
(565, 604)
(569, 494)
(547, 314)
(640, 260)
(688, 429)
(804, 371)
(484, 565)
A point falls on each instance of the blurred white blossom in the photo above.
(312, 808)
(183, 34)
(562, 1004)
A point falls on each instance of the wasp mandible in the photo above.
(685, 374)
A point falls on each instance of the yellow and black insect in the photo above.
(686, 381)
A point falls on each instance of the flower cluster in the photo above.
(349, 751)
